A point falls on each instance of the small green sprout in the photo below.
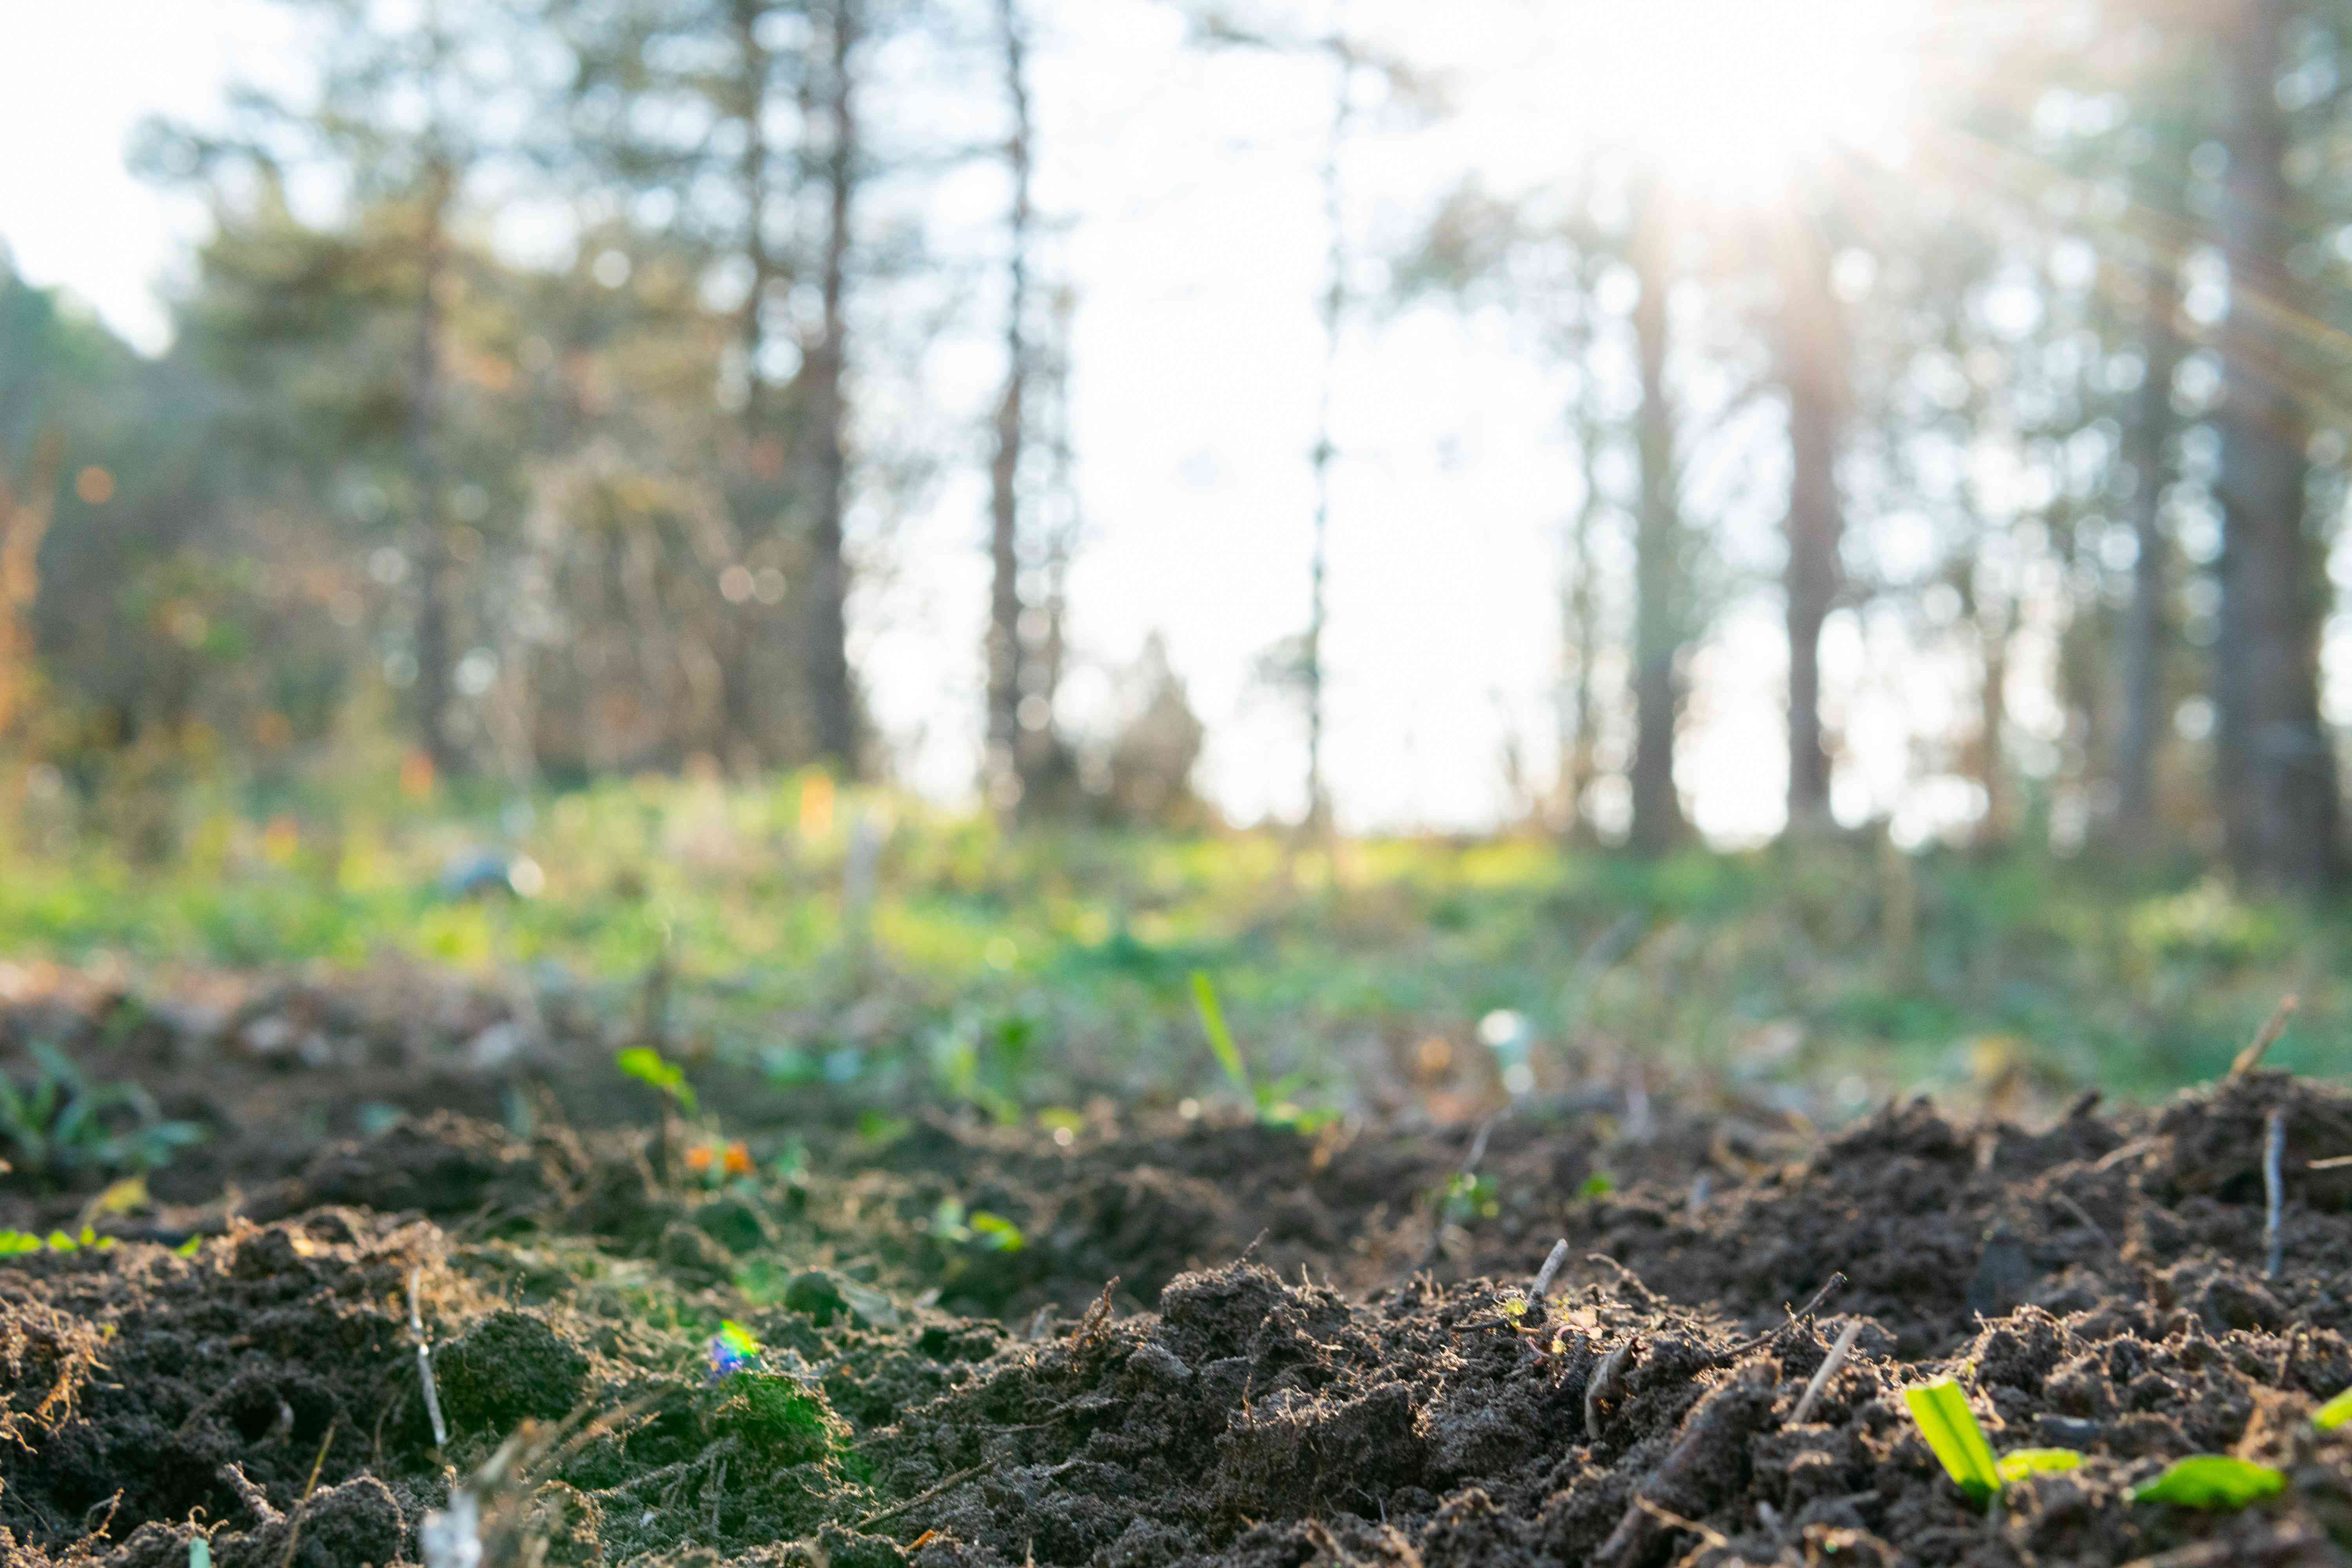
(1467, 1197)
(991, 1232)
(2334, 1413)
(16, 1243)
(1599, 1184)
(792, 1162)
(189, 1248)
(996, 1233)
(63, 1124)
(1221, 1039)
(2211, 1480)
(1942, 1411)
(2019, 1463)
(875, 1127)
(1272, 1101)
(648, 1066)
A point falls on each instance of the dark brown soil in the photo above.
(1216, 1341)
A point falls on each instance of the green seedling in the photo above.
(876, 1129)
(1467, 1197)
(2211, 1481)
(1272, 1101)
(2019, 1463)
(2334, 1413)
(62, 1123)
(1942, 1411)
(1221, 1039)
(16, 1243)
(649, 1066)
(996, 1233)
(989, 1232)
(1599, 1184)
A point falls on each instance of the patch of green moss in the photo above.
(776, 1417)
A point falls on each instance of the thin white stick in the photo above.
(1551, 1267)
(425, 1359)
(1828, 1370)
(2274, 1189)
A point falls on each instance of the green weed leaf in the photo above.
(996, 1233)
(2020, 1463)
(1467, 1197)
(1221, 1039)
(2334, 1413)
(2212, 1481)
(16, 1243)
(648, 1066)
(1942, 1411)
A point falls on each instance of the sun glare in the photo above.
(1731, 98)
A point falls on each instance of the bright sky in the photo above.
(1199, 252)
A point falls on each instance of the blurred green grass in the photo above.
(1027, 970)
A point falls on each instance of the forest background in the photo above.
(1801, 544)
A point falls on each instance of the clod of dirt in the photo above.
(446, 1165)
(509, 1367)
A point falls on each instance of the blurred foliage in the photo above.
(1019, 972)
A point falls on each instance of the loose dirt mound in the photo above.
(1319, 1347)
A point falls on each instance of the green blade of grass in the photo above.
(650, 1067)
(2211, 1480)
(997, 1233)
(2020, 1463)
(1221, 1039)
(1942, 1411)
(2334, 1413)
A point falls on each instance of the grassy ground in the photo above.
(1026, 971)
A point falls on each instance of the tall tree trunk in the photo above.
(1324, 452)
(1007, 779)
(1994, 626)
(433, 656)
(2281, 814)
(24, 523)
(1580, 637)
(1049, 768)
(1813, 373)
(833, 707)
(2144, 631)
(756, 503)
(1659, 609)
